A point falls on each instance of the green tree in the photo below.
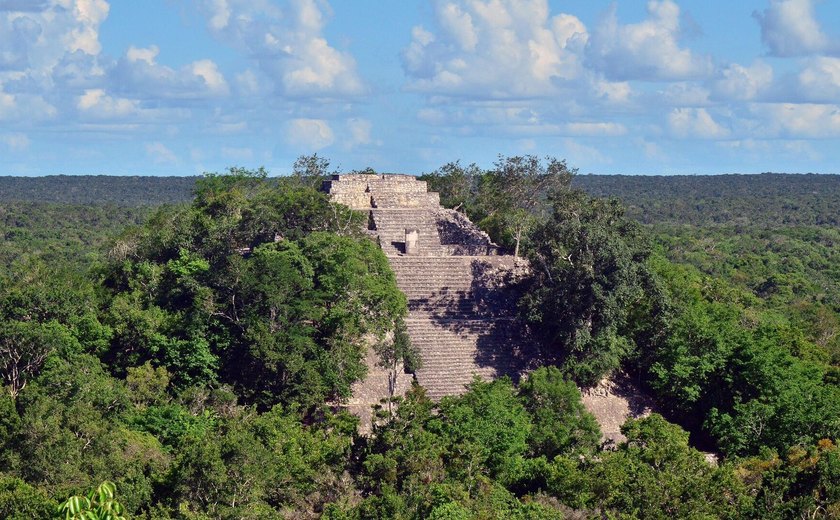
(22, 501)
(561, 424)
(24, 346)
(311, 170)
(590, 270)
(655, 474)
(397, 353)
(514, 193)
(456, 184)
(486, 431)
(262, 284)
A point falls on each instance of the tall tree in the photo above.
(589, 271)
(514, 194)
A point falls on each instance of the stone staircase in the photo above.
(460, 290)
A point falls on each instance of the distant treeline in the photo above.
(767, 199)
(97, 189)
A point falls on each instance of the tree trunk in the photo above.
(518, 237)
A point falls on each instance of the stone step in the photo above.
(442, 289)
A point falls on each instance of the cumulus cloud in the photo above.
(85, 35)
(287, 45)
(138, 74)
(800, 120)
(613, 92)
(695, 123)
(648, 50)
(97, 104)
(311, 134)
(17, 36)
(24, 108)
(52, 67)
(495, 49)
(36, 36)
(49, 54)
(789, 28)
(819, 80)
(737, 82)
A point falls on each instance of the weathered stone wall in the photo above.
(459, 236)
(380, 191)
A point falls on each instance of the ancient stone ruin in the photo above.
(461, 294)
(460, 288)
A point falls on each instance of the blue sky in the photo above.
(179, 87)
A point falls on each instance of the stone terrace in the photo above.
(459, 288)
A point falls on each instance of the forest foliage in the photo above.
(187, 360)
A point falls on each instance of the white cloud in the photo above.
(495, 49)
(138, 54)
(85, 36)
(311, 134)
(651, 149)
(25, 109)
(737, 82)
(35, 40)
(800, 120)
(789, 28)
(820, 80)
(515, 119)
(49, 54)
(287, 45)
(695, 123)
(229, 128)
(613, 92)
(97, 104)
(459, 24)
(209, 72)
(253, 83)
(160, 154)
(648, 50)
(17, 36)
(220, 14)
(139, 75)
